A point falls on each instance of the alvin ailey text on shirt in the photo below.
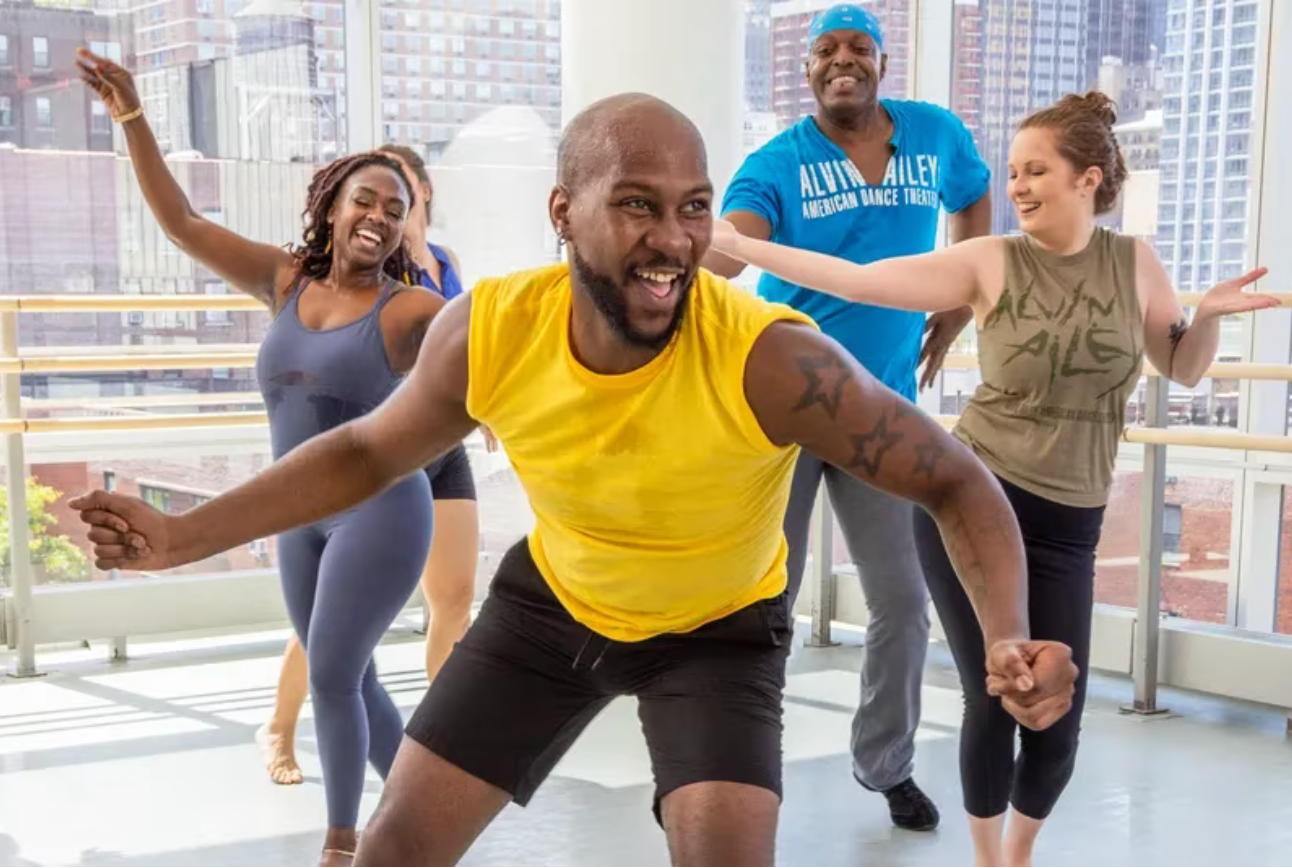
(828, 187)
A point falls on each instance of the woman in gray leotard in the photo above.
(345, 331)
(448, 580)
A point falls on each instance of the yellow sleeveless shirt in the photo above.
(658, 498)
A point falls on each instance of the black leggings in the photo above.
(1060, 543)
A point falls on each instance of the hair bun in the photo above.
(1099, 104)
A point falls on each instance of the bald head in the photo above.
(622, 129)
(634, 206)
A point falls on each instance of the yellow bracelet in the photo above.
(129, 116)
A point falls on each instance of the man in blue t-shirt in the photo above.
(864, 179)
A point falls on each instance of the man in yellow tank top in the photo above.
(654, 414)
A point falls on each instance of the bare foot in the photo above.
(277, 751)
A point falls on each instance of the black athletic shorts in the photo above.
(527, 678)
(450, 476)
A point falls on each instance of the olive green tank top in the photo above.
(1060, 355)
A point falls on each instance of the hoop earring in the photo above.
(328, 249)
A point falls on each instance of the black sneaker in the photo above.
(909, 807)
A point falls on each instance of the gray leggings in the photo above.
(877, 529)
(345, 580)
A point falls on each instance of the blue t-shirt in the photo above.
(451, 286)
(815, 199)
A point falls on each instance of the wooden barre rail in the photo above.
(139, 402)
(113, 303)
(1166, 436)
(1210, 439)
(57, 364)
(1218, 371)
(131, 423)
(62, 360)
(108, 303)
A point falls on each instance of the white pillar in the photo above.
(1258, 510)
(362, 94)
(690, 53)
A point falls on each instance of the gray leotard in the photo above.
(347, 577)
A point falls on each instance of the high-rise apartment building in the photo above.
(1034, 51)
(967, 64)
(42, 105)
(1209, 66)
(758, 55)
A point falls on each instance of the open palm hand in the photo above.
(1228, 296)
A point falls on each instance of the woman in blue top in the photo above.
(448, 581)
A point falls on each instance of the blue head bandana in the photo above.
(846, 16)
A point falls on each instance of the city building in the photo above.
(42, 102)
(967, 64)
(1209, 65)
(261, 102)
(758, 55)
(1141, 143)
(1121, 29)
(170, 33)
(1034, 51)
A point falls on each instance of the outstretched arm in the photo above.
(1177, 348)
(946, 279)
(943, 328)
(804, 388)
(259, 270)
(423, 419)
(748, 225)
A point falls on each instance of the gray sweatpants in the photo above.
(878, 530)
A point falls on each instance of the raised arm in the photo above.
(424, 418)
(260, 270)
(804, 388)
(946, 279)
(1177, 348)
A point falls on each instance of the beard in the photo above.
(610, 301)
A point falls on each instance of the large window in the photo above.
(1186, 194)
(237, 106)
(246, 108)
(1185, 77)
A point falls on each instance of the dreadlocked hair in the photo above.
(314, 257)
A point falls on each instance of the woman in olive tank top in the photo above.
(1065, 312)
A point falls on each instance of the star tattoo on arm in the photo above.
(870, 447)
(825, 377)
(926, 457)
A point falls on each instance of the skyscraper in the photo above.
(1118, 28)
(758, 55)
(967, 64)
(1210, 74)
(442, 68)
(1034, 51)
(443, 63)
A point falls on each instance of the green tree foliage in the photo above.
(54, 557)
